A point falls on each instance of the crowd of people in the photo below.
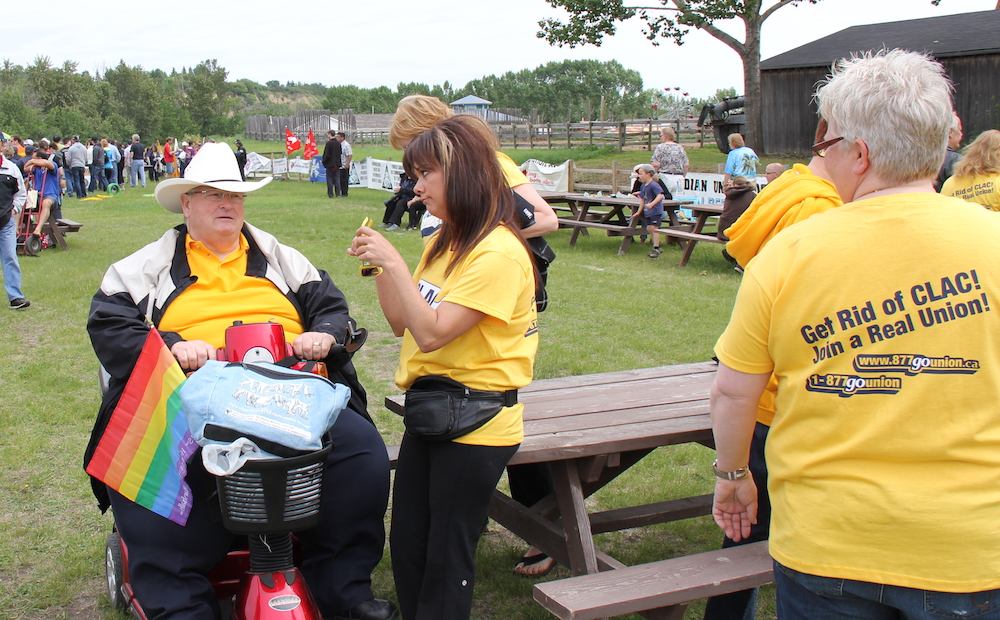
(94, 165)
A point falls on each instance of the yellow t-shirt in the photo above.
(980, 189)
(498, 353)
(510, 170)
(884, 455)
(224, 293)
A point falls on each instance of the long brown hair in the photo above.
(478, 200)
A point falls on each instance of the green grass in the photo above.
(607, 313)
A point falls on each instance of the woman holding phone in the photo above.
(467, 316)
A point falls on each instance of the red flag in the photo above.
(292, 143)
(311, 150)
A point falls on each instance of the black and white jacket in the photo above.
(138, 289)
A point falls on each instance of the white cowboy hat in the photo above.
(214, 166)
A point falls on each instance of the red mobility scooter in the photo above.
(266, 500)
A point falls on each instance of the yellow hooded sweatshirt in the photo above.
(791, 198)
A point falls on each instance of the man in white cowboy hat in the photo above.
(191, 284)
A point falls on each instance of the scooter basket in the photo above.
(274, 495)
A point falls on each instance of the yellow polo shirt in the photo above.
(223, 293)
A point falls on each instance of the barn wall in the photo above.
(977, 92)
(790, 113)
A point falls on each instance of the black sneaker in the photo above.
(655, 253)
(19, 303)
(372, 609)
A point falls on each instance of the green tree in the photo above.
(208, 98)
(591, 20)
(16, 116)
(344, 97)
(567, 90)
(133, 96)
(444, 92)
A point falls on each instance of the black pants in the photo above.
(168, 563)
(333, 182)
(440, 500)
(394, 212)
(345, 179)
(739, 605)
(530, 482)
(416, 211)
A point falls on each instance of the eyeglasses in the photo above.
(217, 196)
(820, 148)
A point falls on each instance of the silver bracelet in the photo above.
(737, 474)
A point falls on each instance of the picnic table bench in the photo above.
(590, 429)
(58, 229)
(667, 585)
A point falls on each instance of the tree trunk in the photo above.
(751, 86)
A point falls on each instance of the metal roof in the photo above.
(470, 99)
(946, 36)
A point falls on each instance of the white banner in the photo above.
(383, 174)
(354, 178)
(299, 165)
(547, 176)
(369, 173)
(257, 163)
(702, 188)
(279, 165)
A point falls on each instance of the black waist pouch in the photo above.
(440, 409)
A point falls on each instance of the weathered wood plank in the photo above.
(658, 584)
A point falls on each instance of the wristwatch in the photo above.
(738, 474)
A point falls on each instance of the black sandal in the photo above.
(531, 560)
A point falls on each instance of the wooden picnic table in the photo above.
(609, 213)
(591, 429)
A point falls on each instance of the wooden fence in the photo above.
(269, 128)
(619, 134)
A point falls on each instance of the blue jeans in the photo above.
(8, 259)
(112, 173)
(802, 596)
(138, 170)
(98, 179)
(79, 181)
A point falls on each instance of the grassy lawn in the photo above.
(607, 312)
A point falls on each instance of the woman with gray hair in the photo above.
(875, 319)
(671, 161)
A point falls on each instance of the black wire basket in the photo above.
(274, 495)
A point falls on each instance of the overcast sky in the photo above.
(384, 42)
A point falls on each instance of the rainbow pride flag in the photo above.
(144, 450)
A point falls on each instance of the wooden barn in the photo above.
(968, 45)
